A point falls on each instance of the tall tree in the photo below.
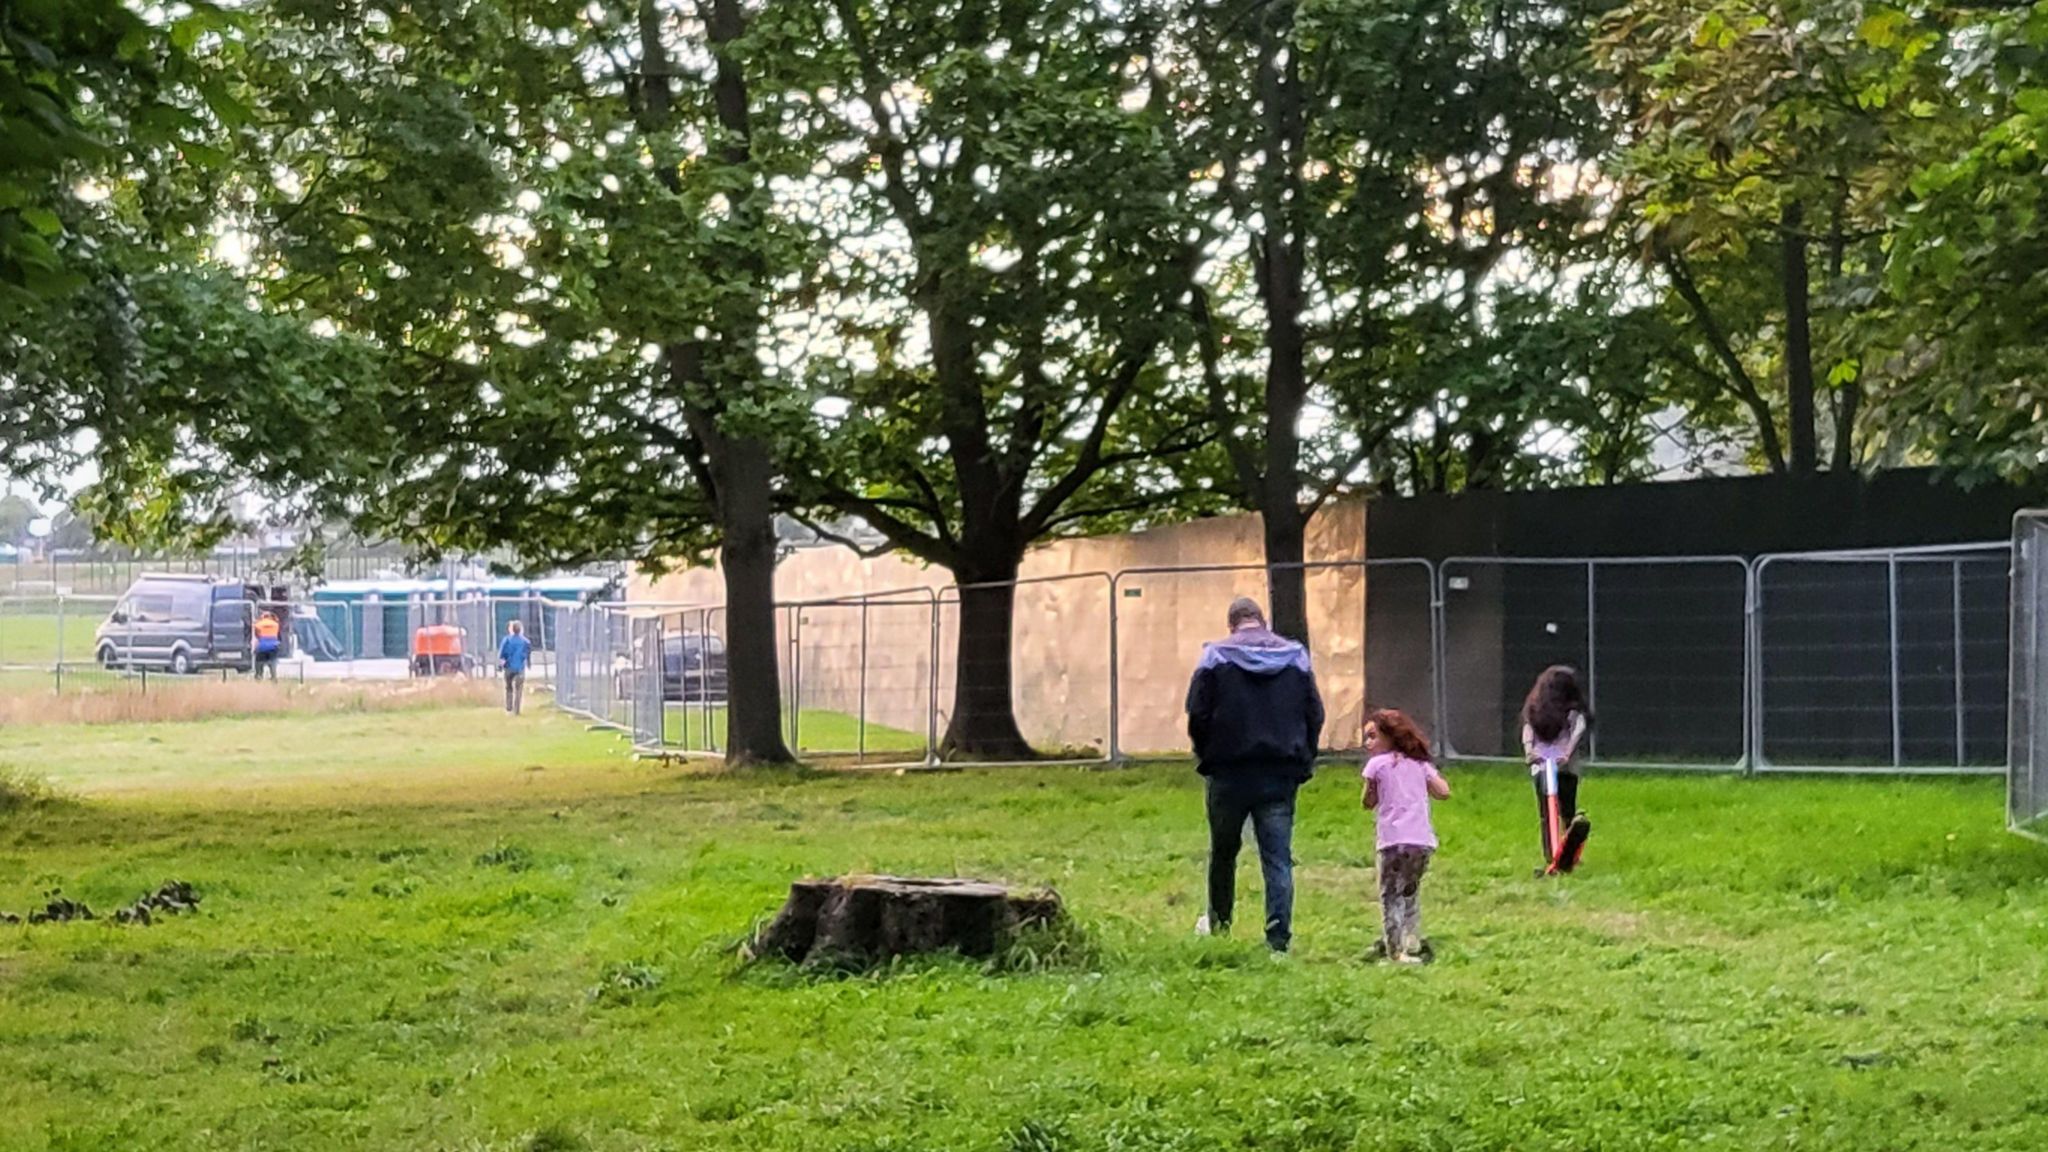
(1376, 174)
(73, 532)
(1014, 282)
(16, 515)
(80, 85)
(552, 226)
(1970, 265)
(1767, 146)
(97, 105)
(1555, 386)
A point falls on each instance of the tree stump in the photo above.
(866, 919)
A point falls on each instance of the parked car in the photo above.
(693, 668)
(184, 623)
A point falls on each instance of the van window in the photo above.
(162, 601)
(151, 607)
(191, 603)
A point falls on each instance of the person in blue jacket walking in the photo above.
(515, 651)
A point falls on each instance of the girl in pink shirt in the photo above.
(1399, 782)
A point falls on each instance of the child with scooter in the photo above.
(1554, 720)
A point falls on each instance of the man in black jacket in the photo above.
(1255, 719)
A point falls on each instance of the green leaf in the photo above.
(186, 31)
(231, 112)
(1882, 28)
(43, 220)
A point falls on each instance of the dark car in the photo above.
(693, 668)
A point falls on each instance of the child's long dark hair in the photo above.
(1402, 733)
(1557, 694)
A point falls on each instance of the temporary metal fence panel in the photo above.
(1030, 658)
(1659, 643)
(53, 634)
(621, 673)
(861, 667)
(2027, 735)
(592, 648)
(79, 657)
(708, 707)
(1163, 617)
(1402, 641)
(1891, 660)
(642, 679)
(692, 695)
(565, 680)
(65, 641)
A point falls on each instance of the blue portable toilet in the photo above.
(340, 606)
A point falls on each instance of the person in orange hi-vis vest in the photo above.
(268, 642)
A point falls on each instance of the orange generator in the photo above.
(437, 651)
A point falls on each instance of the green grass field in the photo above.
(819, 732)
(32, 638)
(453, 930)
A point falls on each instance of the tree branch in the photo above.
(887, 142)
(1743, 385)
(685, 444)
(1340, 476)
(1079, 514)
(1136, 355)
(923, 545)
(847, 542)
(1241, 456)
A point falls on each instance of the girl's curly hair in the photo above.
(1402, 733)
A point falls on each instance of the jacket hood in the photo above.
(1257, 651)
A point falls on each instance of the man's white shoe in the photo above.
(1202, 924)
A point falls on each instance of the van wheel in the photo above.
(181, 663)
(107, 658)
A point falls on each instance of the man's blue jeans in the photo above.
(1269, 801)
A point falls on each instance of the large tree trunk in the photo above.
(1280, 496)
(1845, 426)
(753, 687)
(1286, 580)
(741, 471)
(1282, 274)
(984, 721)
(1798, 342)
